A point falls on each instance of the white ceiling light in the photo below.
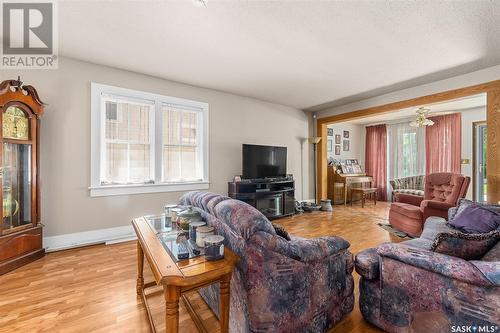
(200, 3)
(422, 118)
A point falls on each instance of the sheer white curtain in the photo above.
(406, 150)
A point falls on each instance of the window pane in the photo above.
(127, 135)
(189, 170)
(138, 117)
(182, 156)
(139, 164)
(116, 163)
(171, 163)
(409, 154)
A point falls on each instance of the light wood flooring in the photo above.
(92, 289)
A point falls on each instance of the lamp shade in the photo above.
(315, 139)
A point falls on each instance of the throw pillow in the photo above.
(476, 219)
(464, 203)
(280, 231)
(465, 246)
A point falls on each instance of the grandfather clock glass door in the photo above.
(16, 169)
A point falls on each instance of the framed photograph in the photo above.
(346, 145)
(337, 139)
(329, 145)
(337, 149)
(346, 134)
(330, 132)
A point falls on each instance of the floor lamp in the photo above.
(315, 140)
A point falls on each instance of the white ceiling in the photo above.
(455, 105)
(297, 53)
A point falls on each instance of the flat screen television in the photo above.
(263, 161)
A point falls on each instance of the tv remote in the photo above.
(182, 251)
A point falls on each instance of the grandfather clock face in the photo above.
(15, 124)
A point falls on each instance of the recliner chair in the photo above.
(442, 192)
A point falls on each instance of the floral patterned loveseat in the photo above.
(300, 285)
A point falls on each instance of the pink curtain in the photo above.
(443, 144)
(376, 158)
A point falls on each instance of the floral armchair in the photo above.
(300, 285)
(407, 287)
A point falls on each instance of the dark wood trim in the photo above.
(493, 153)
(492, 89)
(21, 261)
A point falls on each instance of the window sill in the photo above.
(109, 190)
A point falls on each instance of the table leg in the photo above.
(375, 198)
(172, 294)
(224, 303)
(345, 194)
(140, 269)
(363, 196)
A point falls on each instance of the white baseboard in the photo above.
(100, 236)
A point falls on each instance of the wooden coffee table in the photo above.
(178, 278)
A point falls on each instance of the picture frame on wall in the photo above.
(337, 149)
(329, 145)
(330, 132)
(346, 134)
(337, 139)
(346, 145)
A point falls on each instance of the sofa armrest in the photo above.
(318, 248)
(414, 200)
(302, 249)
(451, 267)
(435, 208)
(433, 204)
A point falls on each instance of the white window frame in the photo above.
(98, 115)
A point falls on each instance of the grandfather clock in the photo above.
(20, 229)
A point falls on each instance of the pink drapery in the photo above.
(376, 158)
(443, 144)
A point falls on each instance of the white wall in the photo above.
(356, 142)
(65, 142)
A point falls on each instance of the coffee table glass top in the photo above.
(173, 238)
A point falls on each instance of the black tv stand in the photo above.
(273, 197)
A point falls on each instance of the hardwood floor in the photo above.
(92, 289)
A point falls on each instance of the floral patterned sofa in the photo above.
(300, 285)
(407, 287)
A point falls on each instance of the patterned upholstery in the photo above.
(419, 290)
(301, 285)
(408, 185)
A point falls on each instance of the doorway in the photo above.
(480, 182)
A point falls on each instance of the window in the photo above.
(143, 143)
(406, 150)
(409, 160)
